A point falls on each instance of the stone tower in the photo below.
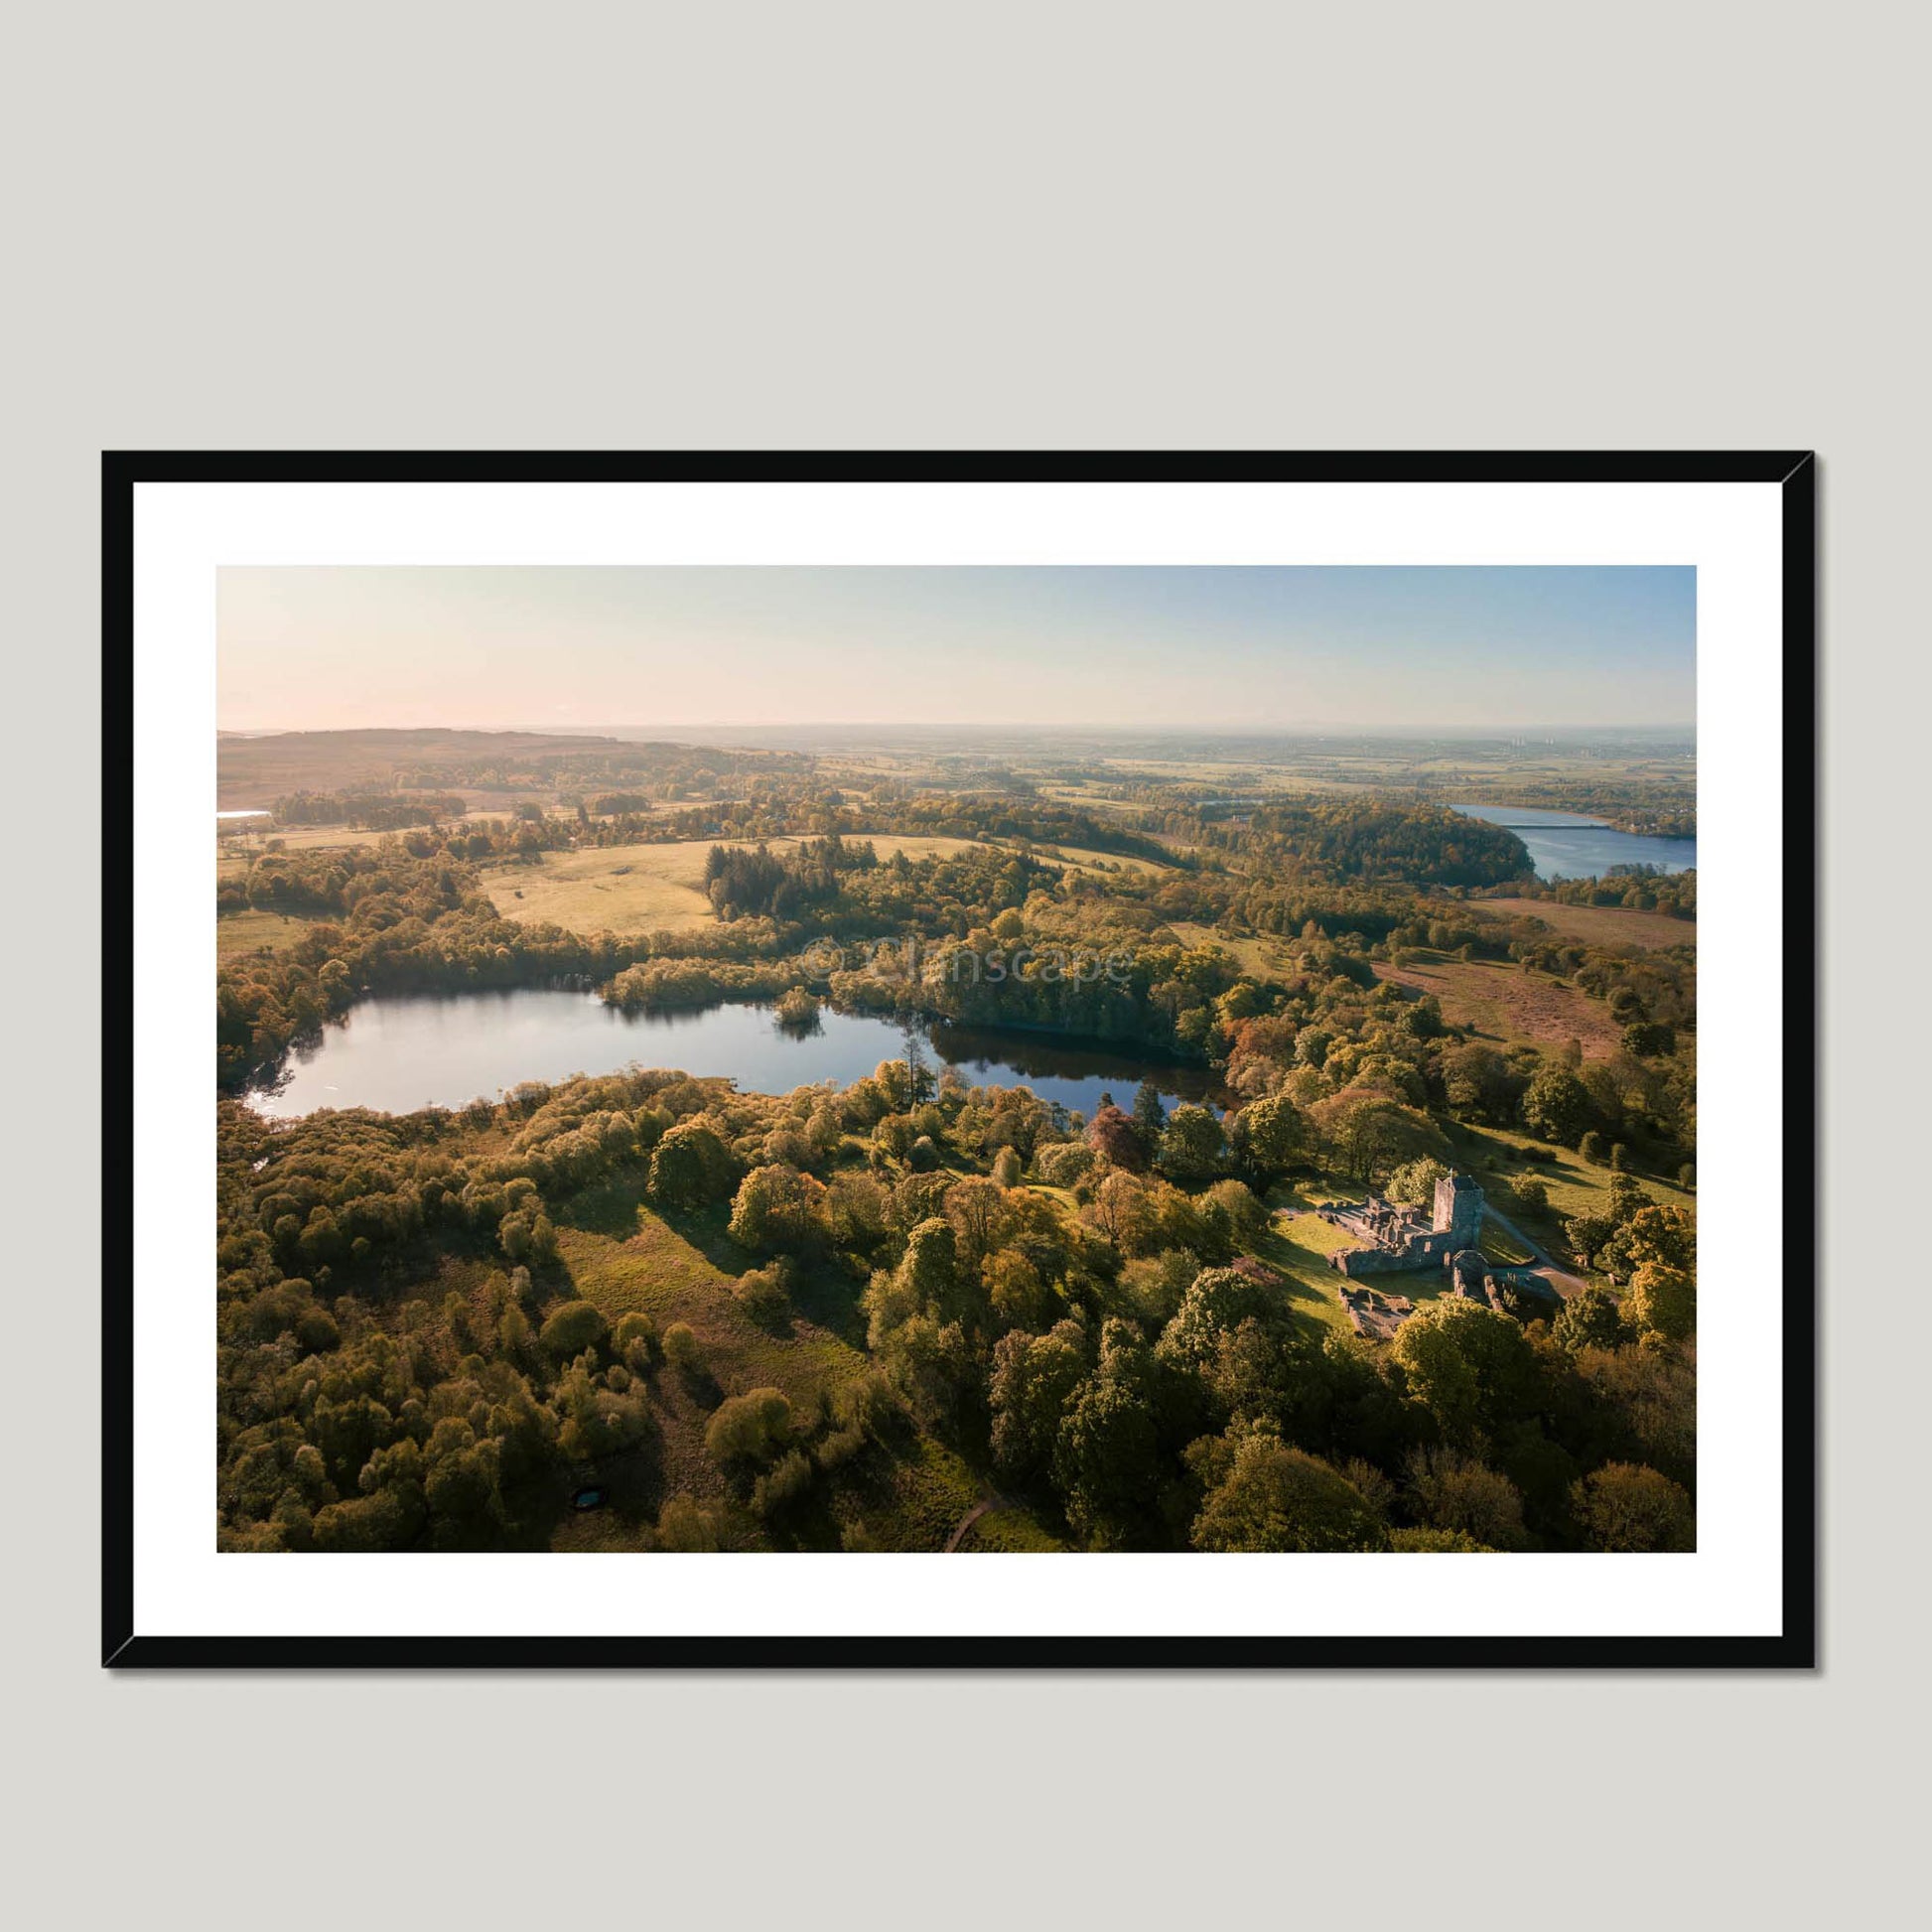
(1458, 1210)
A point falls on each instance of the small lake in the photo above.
(1567, 845)
(396, 1055)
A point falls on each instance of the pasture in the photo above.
(632, 889)
(1598, 925)
(1497, 1001)
(253, 931)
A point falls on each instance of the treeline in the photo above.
(784, 885)
(657, 772)
(369, 811)
(1639, 888)
(1375, 839)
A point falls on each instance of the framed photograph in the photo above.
(1037, 1059)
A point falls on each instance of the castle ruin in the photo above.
(1394, 1236)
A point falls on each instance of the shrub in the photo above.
(1663, 1302)
(779, 1207)
(786, 1482)
(690, 1166)
(749, 1429)
(1528, 1191)
(1591, 1320)
(1274, 1497)
(835, 1451)
(1414, 1183)
(682, 1349)
(683, 1526)
(1457, 1493)
(572, 1328)
(765, 1293)
(635, 1340)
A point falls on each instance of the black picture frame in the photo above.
(1794, 472)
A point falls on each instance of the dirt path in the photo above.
(1565, 1283)
(972, 1516)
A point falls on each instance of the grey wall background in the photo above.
(999, 226)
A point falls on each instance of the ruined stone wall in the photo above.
(1354, 1261)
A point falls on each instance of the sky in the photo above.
(1200, 648)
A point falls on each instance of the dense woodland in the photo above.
(422, 1345)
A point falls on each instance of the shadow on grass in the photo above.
(828, 1297)
(610, 1208)
(707, 1229)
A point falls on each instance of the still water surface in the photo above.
(443, 1050)
(1567, 845)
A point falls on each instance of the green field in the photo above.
(626, 1258)
(1264, 958)
(254, 930)
(1598, 925)
(1299, 1243)
(632, 889)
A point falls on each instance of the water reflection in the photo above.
(397, 1054)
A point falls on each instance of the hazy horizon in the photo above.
(1221, 650)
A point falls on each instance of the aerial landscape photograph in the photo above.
(971, 1060)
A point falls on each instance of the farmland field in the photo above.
(236, 933)
(1598, 925)
(294, 838)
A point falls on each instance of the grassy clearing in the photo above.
(1299, 1244)
(1598, 925)
(1079, 858)
(665, 1273)
(1263, 958)
(237, 934)
(622, 889)
(1500, 1002)
(632, 889)
(1086, 800)
(622, 1255)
